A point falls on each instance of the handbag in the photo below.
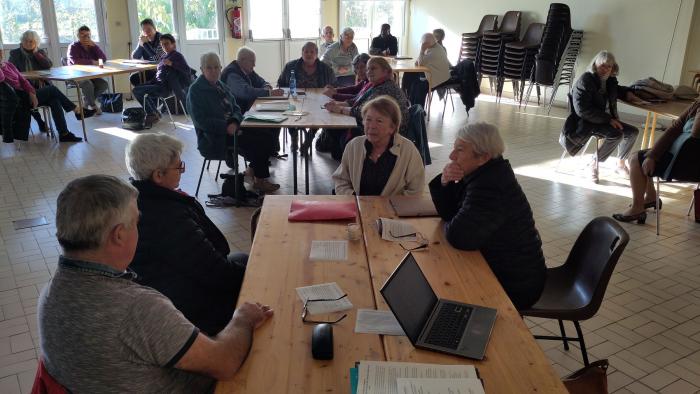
(592, 379)
(112, 102)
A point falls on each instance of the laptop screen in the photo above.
(409, 296)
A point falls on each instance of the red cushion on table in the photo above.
(303, 210)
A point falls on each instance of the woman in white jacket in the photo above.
(381, 162)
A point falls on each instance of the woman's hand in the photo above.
(451, 173)
(329, 91)
(33, 100)
(616, 124)
(648, 166)
(276, 92)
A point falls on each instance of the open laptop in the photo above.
(436, 324)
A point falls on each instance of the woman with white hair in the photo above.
(216, 116)
(484, 208)
(434, 57)
(180, 252)
(594, 112)
(339, 56)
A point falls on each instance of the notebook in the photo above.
(410, 206)
(274, 106)
(432, 323)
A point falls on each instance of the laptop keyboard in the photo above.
(449, 325)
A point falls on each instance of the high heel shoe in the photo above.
(641, 217)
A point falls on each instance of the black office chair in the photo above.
(575, 290)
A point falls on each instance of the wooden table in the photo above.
(670, 109)
(280, 360)
(514, 363)
(77, 73)
(316, 118)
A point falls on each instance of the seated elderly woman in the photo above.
(484, 208)
(18, 97)
(359, 67)
(381, 83)
(433, 56)
(382, 162)
(665, 160)
(339, 55)
(594, 112)
(180, 251)
(309, 71)
(216, 117)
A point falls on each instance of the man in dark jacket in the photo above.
(385, 44)
(217, 116)
(484, 208)
(149, 49)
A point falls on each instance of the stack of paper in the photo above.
(397, 230)
(265, 118)
(380, 377)
(278, 106)
(325, 291)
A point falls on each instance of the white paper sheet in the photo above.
(398, 231)
(324, 291)
(439, 386)
(370, 321)
(379, 377)
(329, 250)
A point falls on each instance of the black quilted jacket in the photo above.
(488, 211)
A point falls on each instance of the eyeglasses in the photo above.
(305, 311)
(181, 167)
(420, 243)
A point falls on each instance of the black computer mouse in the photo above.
(322, 342)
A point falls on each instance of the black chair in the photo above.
(575, 290)
(685, 170)
(471, 42)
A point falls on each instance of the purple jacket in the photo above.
(179, 64)
(77, 54)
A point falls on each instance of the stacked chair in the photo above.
(556, 59)
(520, 59)
(471, 42)
(492, 50)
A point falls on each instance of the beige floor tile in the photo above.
(679, 387)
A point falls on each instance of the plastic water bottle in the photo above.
(293, 84)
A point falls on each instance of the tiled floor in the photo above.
(648, 326)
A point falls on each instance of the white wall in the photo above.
(648, 37)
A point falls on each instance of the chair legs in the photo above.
(206, 164)
(565, 339)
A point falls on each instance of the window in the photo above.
(266, 19)
(18, 16)
(200, 20)
(161, 11)
(303, 15)
(71, 14)
(366, 17)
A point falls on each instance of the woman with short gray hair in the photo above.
(180, 251)
(484, 208)
(339, 56)
(594, 112)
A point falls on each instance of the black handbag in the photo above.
(112, 102)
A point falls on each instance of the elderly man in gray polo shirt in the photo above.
(102, 332)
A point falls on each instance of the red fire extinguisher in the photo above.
(235, 22)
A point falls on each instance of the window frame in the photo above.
(401, 37)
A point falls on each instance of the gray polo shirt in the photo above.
(101, 332)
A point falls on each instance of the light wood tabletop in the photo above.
(310, 104)
(514, 363)
(280, 360)
(311, 117)
(79, 72)
(670, 109)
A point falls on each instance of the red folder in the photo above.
(304, 210)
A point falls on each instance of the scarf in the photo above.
(27, 57)
(367, 90)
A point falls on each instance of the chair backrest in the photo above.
(685, 167)
(488, 22)
(511, 23)
(533, 34)
(592, 261)
(416, 131)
